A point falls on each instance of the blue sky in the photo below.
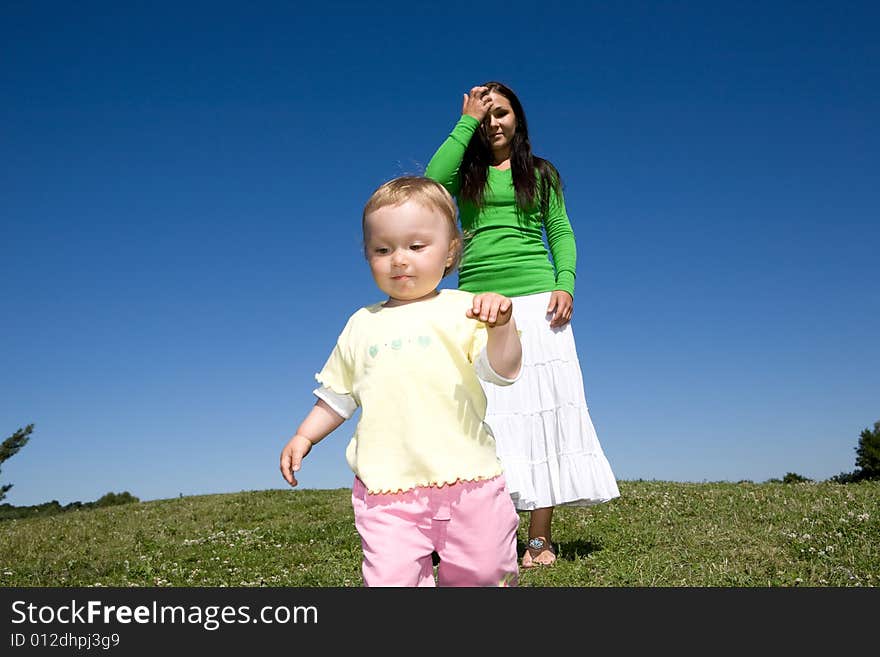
(182, 184)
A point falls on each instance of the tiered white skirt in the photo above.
(544, 435)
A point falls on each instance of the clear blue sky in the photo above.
(181, 187)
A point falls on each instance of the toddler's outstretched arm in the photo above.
(503, 346)
(320, 422)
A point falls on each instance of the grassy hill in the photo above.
(656, 534)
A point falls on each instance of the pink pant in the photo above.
(472, 526)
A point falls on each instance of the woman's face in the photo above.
(500, 123)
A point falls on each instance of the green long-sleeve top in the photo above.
(504, 250)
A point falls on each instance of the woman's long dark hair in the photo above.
(530, 186)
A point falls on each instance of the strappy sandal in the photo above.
(540, 552)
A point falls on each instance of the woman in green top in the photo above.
(508, 199)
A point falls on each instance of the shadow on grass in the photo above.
(567, 550)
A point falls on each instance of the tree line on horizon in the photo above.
(10, 447)
(867, 468)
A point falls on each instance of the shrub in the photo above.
(868, 452)
(113, 499)
(846, 478)
(867, 458)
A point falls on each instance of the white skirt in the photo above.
(542, 427)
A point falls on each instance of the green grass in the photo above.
(656, 534)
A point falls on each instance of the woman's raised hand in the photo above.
(477, 103)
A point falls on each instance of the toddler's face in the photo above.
(408, 247)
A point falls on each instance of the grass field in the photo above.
(656, 534)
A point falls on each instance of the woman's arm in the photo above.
(446, 162)
(560, 239)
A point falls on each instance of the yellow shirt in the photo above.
(411, 369)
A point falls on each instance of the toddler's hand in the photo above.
(292, 455)
(477, 103)
(491, 308)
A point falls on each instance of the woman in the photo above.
(508, 201)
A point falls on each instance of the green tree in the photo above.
(868, 452)
(10, 448)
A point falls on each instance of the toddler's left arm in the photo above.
(503, 346)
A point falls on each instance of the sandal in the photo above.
(539, 552)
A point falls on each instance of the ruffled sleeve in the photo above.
(338, 372)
